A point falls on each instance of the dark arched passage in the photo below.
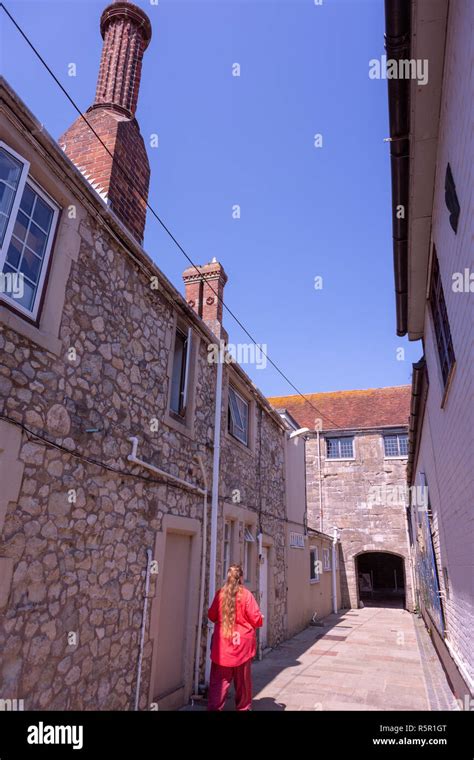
(381, 578)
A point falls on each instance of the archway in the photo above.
(381, 579)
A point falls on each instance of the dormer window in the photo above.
(28, 219)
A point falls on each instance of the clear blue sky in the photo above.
(248, 140)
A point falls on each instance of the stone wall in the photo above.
(365, 523)
(257, 475)
(76, 536)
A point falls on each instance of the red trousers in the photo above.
(220, 681)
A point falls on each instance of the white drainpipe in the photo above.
(143, 626)
(259, 580)
(214, 502)
(334, 574)
(320, 484)
(203, 580)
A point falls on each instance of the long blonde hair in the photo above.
(229, 592)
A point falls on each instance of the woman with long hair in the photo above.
(236, 615)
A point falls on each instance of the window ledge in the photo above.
(340, 459)
(14, 321)
(401, 456)
(315, 580)
(180, 426)
(238, 443)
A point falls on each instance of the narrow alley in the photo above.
(375, 658)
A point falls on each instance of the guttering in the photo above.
(342, 431)
(416, 413)
(397, 45)
(214, 502)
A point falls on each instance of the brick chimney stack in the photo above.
(206, 303)
(122, 180)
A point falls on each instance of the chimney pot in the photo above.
(200, 282)
(122, 178)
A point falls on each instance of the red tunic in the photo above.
(242, 645)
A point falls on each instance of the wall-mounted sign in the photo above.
(297, 540)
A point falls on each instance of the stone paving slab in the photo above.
(384, 661)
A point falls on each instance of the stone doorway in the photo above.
(380, 579)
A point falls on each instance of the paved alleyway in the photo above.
(369, 659)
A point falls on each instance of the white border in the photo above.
(16, 200)
(33, 313)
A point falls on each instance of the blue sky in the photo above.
(306, 212)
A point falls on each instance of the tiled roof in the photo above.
(371, 408)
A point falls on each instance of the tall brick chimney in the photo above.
(126, 31)
(207, 303)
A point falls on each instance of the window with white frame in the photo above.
(180, 372)
(340, 448)
(396, 445)
(228, 543)
(249, 542)
(28, 219)
(326, 559)
(442, 330)
(314, 568)
(238, 416)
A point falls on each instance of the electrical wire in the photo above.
(30, 434)
(158, 218)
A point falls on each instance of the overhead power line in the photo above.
(130, 180)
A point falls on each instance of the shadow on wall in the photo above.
(345, 598)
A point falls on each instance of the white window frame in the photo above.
(326, 559)
(341, 459)
(186, 368)
(185, 380)
(317, 576)
(25, 179)
(397, 436)
(16, 200)
(247, 403)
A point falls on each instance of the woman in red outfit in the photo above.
(236, 615)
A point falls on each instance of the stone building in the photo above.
(312, 557)
(124, 493)
(432, 149)
(356, 482)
